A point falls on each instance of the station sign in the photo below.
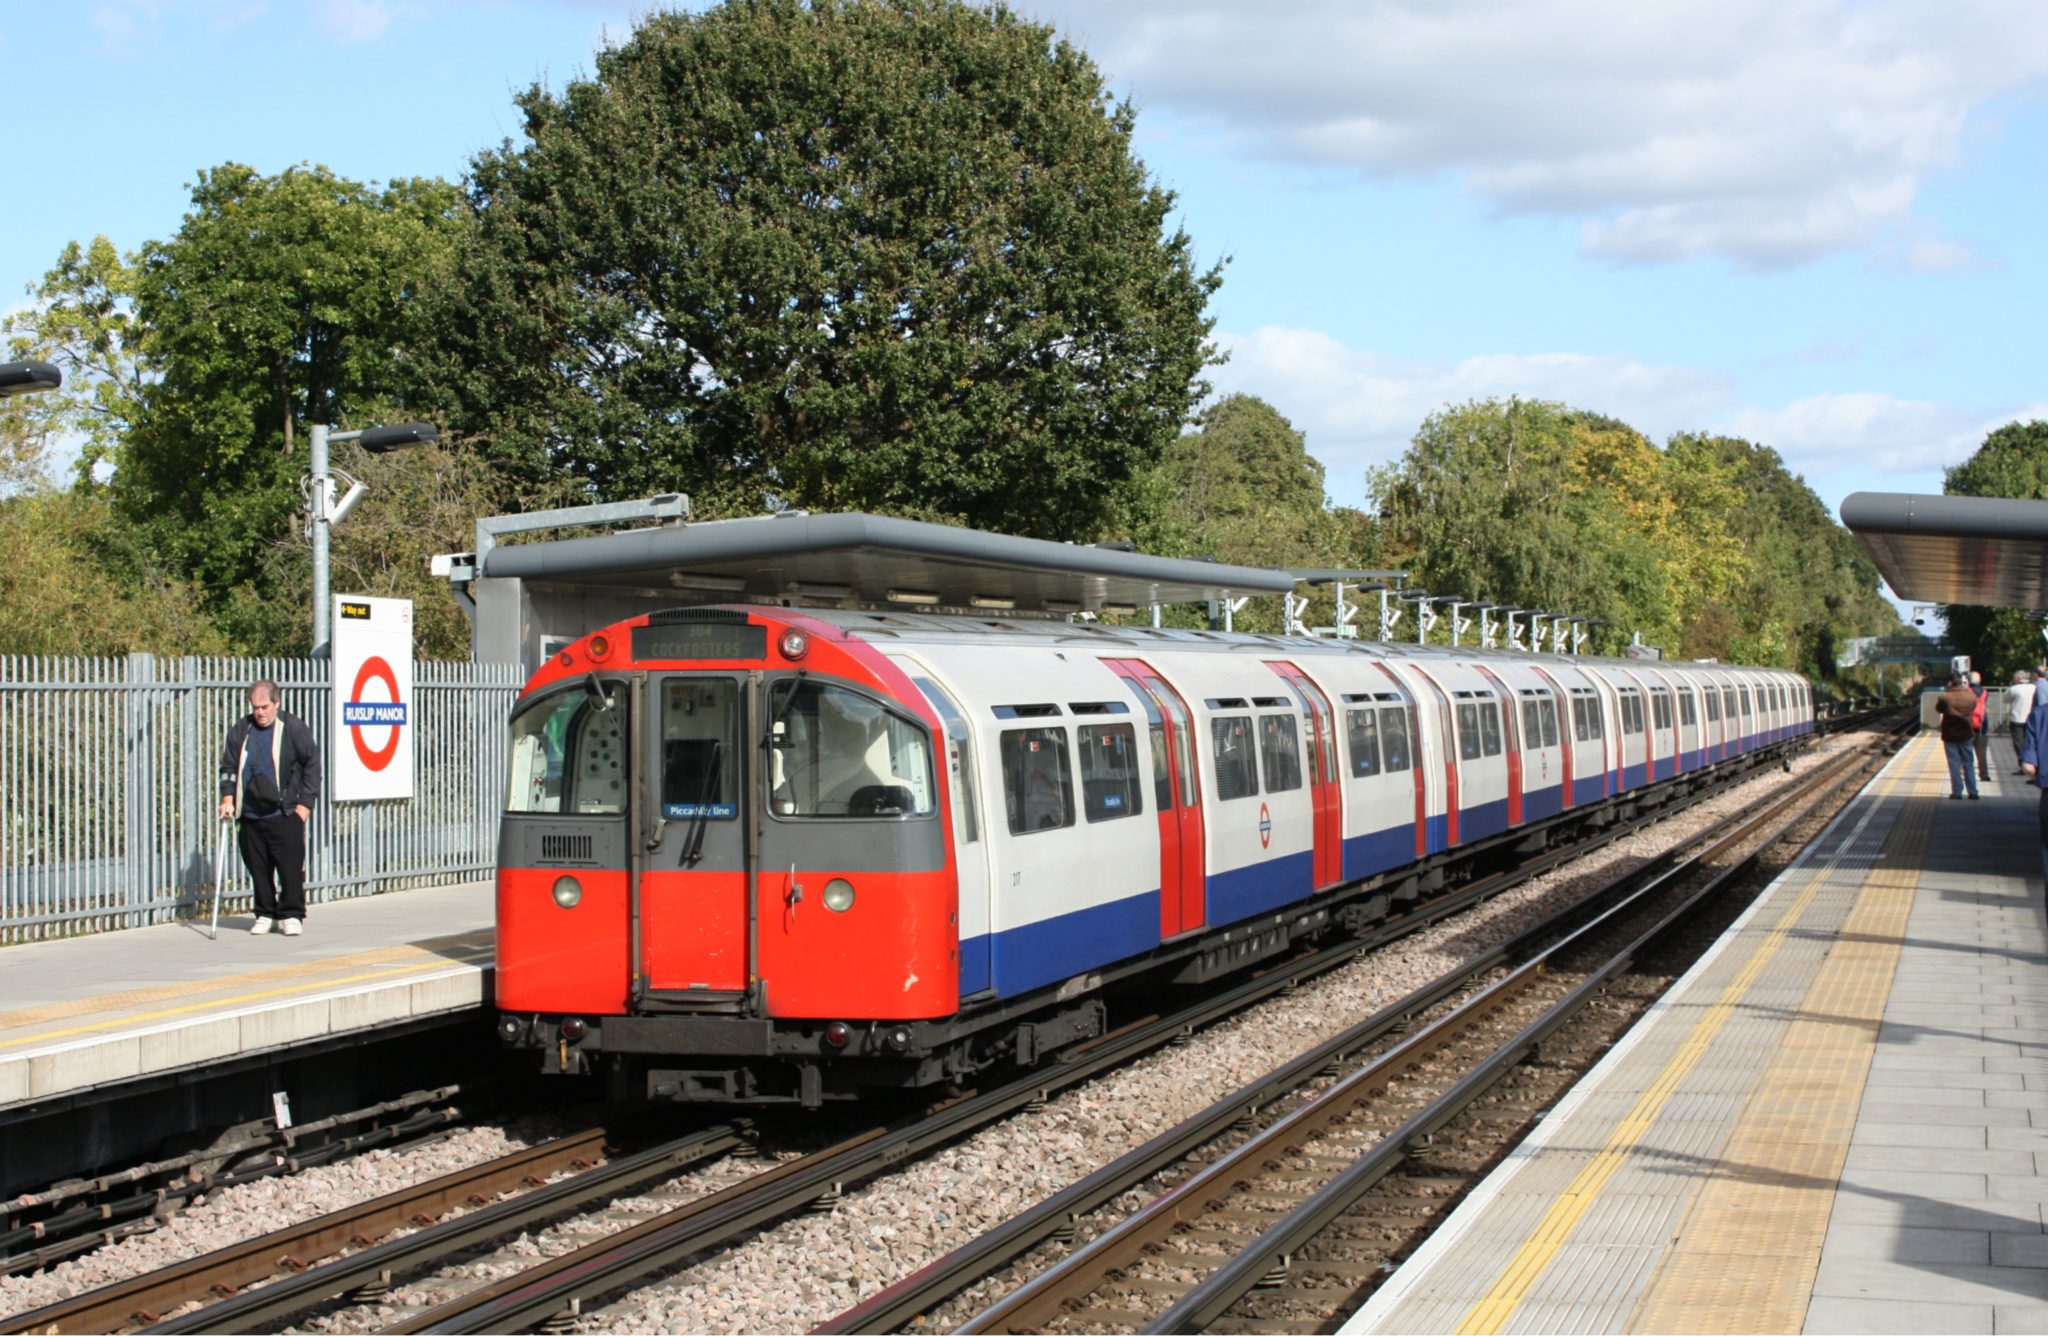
(373, 699)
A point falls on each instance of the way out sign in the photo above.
(373, 701)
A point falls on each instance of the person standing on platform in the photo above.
(270, 777)
(2019, 704)
(1979, 738)
(1954, 707)
(2033, 754)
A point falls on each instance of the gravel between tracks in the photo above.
(810, 1267)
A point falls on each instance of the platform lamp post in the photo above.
(28, 378)
(323, 513)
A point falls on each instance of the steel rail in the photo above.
(1035, 1303)
(296, 1293)
(1212, 1298)
(142, 1298)
(902, 1303)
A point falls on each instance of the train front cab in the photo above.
(717, 821)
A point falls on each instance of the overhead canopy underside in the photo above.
(871, 559)
(1987, 551)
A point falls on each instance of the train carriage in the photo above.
(774, 850)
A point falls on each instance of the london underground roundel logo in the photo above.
(1265, 826)
(358, 714)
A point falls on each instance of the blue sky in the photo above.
(1811, 223)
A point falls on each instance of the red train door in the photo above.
(1183, 874)
(1511, 727)
(1326, 794)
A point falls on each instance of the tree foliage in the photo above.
(852, 254)
(281, 301)
(83, 320)
(2012, 462)
(1707, 547)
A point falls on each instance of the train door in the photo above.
(1414, 757)
(1447, 752)
(970, 847)
(1183, 869)
(1560, 705)
(691, 892)
(1324, 784)
(1512, 723)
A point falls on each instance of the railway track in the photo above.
(1281, 1205)
(628, 1255)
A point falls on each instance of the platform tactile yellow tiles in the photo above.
(1746, 1151)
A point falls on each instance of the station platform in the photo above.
(1837, 1121)
(86, 1013)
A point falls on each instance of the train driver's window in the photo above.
(700, 748)
(1365, 742)
(840, 753)
(1280, 751)
(1109, 771)
(569, 755)
(1237, 773)
(1038, 784)
(1394, 738)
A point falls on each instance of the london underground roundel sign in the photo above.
(372, 752)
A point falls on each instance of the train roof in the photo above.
(876, 560)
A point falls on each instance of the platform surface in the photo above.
(89, 1012)
(1837, 1121)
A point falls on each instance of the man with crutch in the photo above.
(270, 777)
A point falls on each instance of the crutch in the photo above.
(220, 863)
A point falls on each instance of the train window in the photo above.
(1713, 705)
(1688, 713)
(1279, 752)
(1365, 743)
(569, 755)
(1162, 764)
(700, 748)
(1660, 707)
(1468, 731)
(1728, 702)
(1237, 773)
(1532, 724)
(839, 753)
(959, 762)
(1038, 784)
(1579, 732)
(1549, 722)
(1489, 726)
(1394, 739)
(1109, 771)
(1744, 696)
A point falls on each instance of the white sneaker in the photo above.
(261, 926)
(290, 927)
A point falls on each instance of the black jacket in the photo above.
(298, 762)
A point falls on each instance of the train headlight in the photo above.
(795, 644)
(568, 892)
(839, 894)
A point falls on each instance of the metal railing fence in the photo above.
(109, 782)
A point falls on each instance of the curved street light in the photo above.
(28, 377)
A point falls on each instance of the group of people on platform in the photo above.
(1961, 710)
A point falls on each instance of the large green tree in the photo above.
(281, 301)
(83, 320)
(883, 254)
(2012, 462)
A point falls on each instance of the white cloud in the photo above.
(1359, 408)
(1767, 131)
(354, 20)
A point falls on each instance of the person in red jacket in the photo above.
(1955, 708)
(1980, 740)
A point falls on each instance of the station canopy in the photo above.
(869, 559)
(1985, 551)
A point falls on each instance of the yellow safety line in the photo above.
(113, 1021)
(1492, 1311)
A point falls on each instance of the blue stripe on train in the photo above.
(1586, 791)
(1379, 850)
(1482, 820)
(1036, 954)
(1245, 891)
(1541, 803)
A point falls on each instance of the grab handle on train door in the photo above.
(796, 893)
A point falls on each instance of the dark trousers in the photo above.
(274, 851)
(1983, 765)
